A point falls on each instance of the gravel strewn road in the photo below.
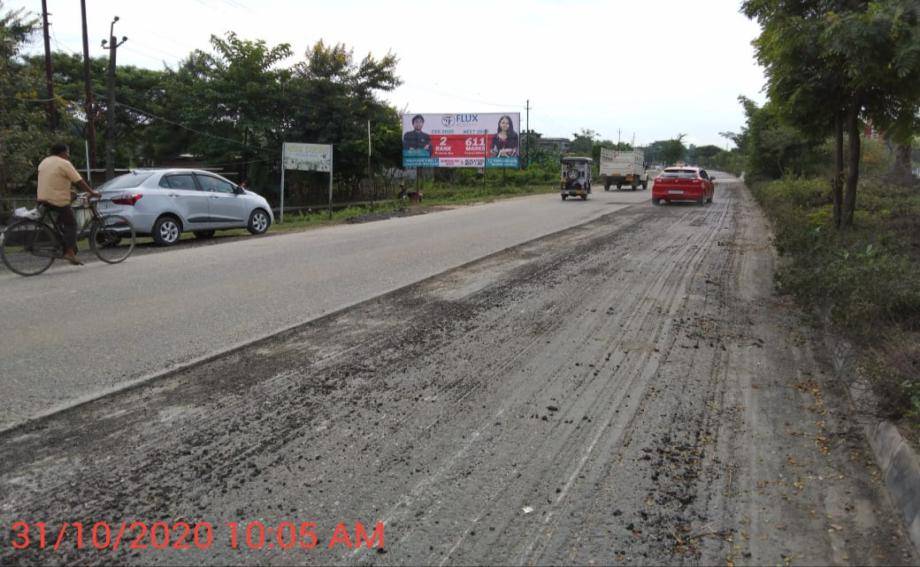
(629, 390)
(72, 333)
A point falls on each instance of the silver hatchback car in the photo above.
(165, 202)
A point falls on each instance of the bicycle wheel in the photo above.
(29, 248)
(112, 238)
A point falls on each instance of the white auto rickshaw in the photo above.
(576, 177)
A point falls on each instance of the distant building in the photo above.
(560, 145)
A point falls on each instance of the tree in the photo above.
(237, 104)
(832, 63)
(235, 94)
(773, 145)
(23, 139)
(704, 154)
(342, 95)
(668, 151)
(145, 89)
(583, 142)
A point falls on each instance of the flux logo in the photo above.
(448, 119)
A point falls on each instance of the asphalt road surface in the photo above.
(629, 390)
(74, 332)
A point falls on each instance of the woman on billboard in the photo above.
(506, 142)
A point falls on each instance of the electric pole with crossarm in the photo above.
(112, 44)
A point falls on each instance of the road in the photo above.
(73, 333)
(629, 390)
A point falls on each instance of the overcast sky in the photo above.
(652, 68)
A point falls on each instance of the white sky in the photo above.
(649, 67)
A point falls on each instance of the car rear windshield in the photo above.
(126, 181)
(679, 174)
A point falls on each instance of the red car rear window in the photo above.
(679, 174)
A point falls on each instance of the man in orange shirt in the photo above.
(56, 175)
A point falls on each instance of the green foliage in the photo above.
(774, 146)
(583, 142)
(866, 279)
(230, 107)
(863, 276)
(877, 47)
(541, 173)
(731, 161)
(702, 155)
(830, 64)
(23, 120)
(671, 151)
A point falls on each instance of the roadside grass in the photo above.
(864, 281)
(433, 196)
(437, 195)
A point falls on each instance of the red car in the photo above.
(683, 184)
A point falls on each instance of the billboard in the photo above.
(461, 140)
(307, 157)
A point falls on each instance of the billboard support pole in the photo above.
(527, 164)
(281, 211)
(330, 182)
(485, 155)
(370, 174)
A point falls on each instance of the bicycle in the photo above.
(29, 246)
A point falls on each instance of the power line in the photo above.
(190, 129)
(154, 48)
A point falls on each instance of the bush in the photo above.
(867, 279)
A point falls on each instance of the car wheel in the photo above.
(619, 186)
(701, 201)
(656, 202)
(204, 234)
(259, 222)
(606, 187)
(644, 185)
(166, 231)
(584, 197)
(563, 197)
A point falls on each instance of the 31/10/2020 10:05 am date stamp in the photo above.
(179, 536)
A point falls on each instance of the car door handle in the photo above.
(215, 197)
(174, 196)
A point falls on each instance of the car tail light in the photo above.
(127, 199)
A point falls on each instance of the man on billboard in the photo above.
(416, 139)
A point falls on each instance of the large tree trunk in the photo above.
(838, 169)
(855, 146)
(901, 172)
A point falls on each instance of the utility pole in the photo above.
(52, 113)
(529, 133)
(112, 44)
(90, 104)
(370, 176)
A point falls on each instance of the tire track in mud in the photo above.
(636, 314)
(649, 366)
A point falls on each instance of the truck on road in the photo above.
(623, 168)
